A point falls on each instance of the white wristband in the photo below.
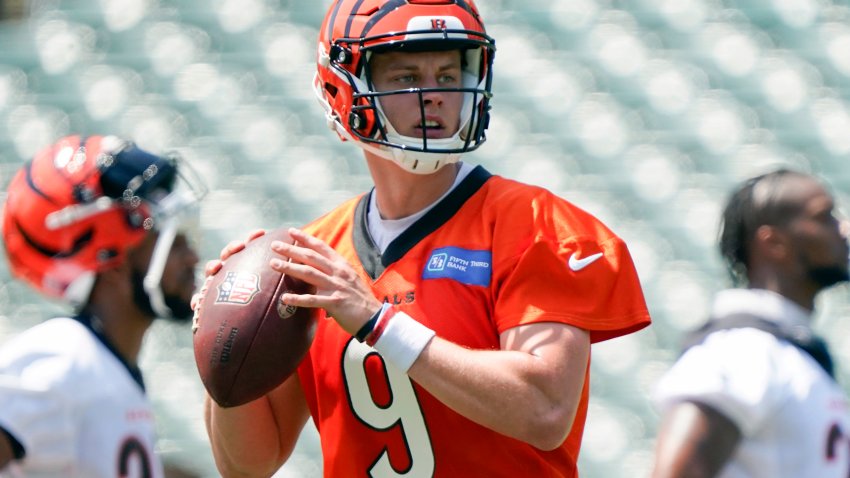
(403, 340)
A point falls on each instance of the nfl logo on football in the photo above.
(238, 288)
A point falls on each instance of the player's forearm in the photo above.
(244, 439)
(512, 392)
(694, 440)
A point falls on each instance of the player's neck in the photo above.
(800, 292)
(123, 325)
(400, 193)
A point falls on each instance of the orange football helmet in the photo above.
(79, 205)
(354, 29)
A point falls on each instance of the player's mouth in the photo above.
(431, 128)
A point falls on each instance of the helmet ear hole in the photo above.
(362, 120)
(341, 55)
(356, 120)
(331, 90)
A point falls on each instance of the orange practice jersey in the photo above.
(494, 254)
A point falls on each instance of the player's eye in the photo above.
(404, 79)
(448, 79)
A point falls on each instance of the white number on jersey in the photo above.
(403, 410)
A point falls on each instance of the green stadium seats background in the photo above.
(644, 112)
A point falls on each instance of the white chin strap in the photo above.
(171, 212)
(153, 277)
(418, 162)
(79, 290)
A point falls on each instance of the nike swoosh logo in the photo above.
(577, 264)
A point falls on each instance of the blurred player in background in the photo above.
(754, 395)
(94, 222)
(463, 303)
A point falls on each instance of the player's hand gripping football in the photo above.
(214, 266)
(339, 289)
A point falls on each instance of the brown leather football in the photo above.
(246, 343)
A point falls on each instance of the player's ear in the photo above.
(119, 274)
(772, 242)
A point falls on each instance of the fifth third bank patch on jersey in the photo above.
(467, 266)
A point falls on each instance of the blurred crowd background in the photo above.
(644, 112)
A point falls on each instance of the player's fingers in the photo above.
(303, 255)
(313, 243)
(231, 248)
(306, 273)
(255, 234)
(302, 300)
(237, 245)
(212, 267)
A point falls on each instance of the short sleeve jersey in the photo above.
(792, 415)
(492, 255)
(74, 406)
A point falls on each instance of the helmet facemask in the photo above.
(365, 122)
(425, 153)
(175, 213)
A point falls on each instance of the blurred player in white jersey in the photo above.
(753, 394)
(94, 222)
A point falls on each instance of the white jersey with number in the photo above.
(74, 406)
(792, 415)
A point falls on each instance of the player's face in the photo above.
(178, 277)
(818, 236)
(404, 70)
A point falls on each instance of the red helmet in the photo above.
(354, 29)
(77, 207)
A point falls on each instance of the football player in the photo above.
(463, 304)
(94, 222)
(753, 395)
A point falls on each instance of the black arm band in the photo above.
(368, 326)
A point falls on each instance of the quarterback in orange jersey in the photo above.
(461, 305)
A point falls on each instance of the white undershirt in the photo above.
(384, 231)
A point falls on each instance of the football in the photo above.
(245, 342)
